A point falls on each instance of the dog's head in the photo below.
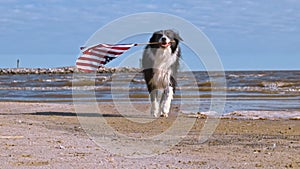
(165, 39)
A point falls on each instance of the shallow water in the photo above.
(244, 90)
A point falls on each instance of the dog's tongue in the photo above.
(165, 44)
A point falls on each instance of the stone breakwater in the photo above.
(62, 70)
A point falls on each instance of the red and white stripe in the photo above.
(96, 56)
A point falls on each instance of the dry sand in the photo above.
(39, 135)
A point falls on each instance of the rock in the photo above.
(64, 70)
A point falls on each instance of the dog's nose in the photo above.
(164, 39)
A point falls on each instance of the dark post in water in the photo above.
(18, 62)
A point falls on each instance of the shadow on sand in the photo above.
(74, 114)
(70, 114)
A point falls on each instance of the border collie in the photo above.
(160, 64)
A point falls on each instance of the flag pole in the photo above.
(134, 44)
(149, 43)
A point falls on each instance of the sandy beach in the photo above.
(40, 135)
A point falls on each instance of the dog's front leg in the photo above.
(154, 103)
(166, 101)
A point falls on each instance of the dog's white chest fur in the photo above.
(162, 61)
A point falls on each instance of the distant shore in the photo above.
(62, 70)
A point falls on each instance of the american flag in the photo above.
(98, 55)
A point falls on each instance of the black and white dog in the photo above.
(160, 65)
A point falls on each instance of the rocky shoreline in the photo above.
(62, 70)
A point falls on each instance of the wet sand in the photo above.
(44, 135)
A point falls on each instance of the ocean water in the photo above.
(243, 90)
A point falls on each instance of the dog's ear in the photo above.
(155, 36)
(175, 34)
(178, 37)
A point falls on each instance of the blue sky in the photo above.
(248, 34)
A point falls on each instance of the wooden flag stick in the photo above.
(135, 44)
(149, 43)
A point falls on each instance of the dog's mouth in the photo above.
(165, 44)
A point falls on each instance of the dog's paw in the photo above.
(164, 115)
(155, 113)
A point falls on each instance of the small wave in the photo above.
(19, 81)
(263, 115)
(275, 85)
(246, 75)
(138, 81)
(266, 90)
